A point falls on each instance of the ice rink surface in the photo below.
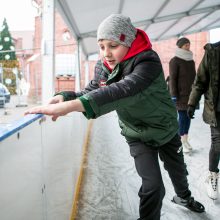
(110, 183)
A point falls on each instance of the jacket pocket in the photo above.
(208, 112)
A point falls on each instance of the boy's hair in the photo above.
(117, 28)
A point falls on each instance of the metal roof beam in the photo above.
(198, 3)
(211, 23)
(196, 22)
(185, 14)
(157, 13)
(165, 31)
(207, 27)
(64, 9)
(121, 5)
(165, 18)
(67, 15)
(178, 15)
(194, 6)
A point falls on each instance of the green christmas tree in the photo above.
(7, 48)
(8, 59)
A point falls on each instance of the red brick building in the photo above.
(166, 48)
(23, 41)
(64, 46)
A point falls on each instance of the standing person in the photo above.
(207, 83)
(129, 79)
(182, 74)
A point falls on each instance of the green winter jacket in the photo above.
(207, 83)
(137, 90)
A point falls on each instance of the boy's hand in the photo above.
(58, 109)
(56, 99)
(54, 110)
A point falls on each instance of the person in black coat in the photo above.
(182, 74)
(207, 83)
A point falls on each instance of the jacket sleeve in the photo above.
(201, 82)
(126, 91)
(173, 82)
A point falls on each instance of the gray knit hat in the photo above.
(118, 28)
(182, 41)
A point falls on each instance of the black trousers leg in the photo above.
(213, 160)
(172, 156)
(215, 146)
(152, 190)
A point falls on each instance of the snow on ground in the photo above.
(111, 184)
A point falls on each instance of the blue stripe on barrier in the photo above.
(7, 130)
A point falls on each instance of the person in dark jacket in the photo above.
(207, 83)
(182, 74)
(129, 79)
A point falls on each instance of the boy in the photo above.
(129, 79)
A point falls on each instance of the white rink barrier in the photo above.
(39, 166)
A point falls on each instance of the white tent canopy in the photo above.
(161, 19)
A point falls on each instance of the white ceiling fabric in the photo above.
(161, 19)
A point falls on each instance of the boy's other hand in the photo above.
(56, 99)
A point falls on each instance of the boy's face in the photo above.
(112, 52)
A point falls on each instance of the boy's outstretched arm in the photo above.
(58, 109)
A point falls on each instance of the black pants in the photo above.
(152, 190)
(215, 146)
